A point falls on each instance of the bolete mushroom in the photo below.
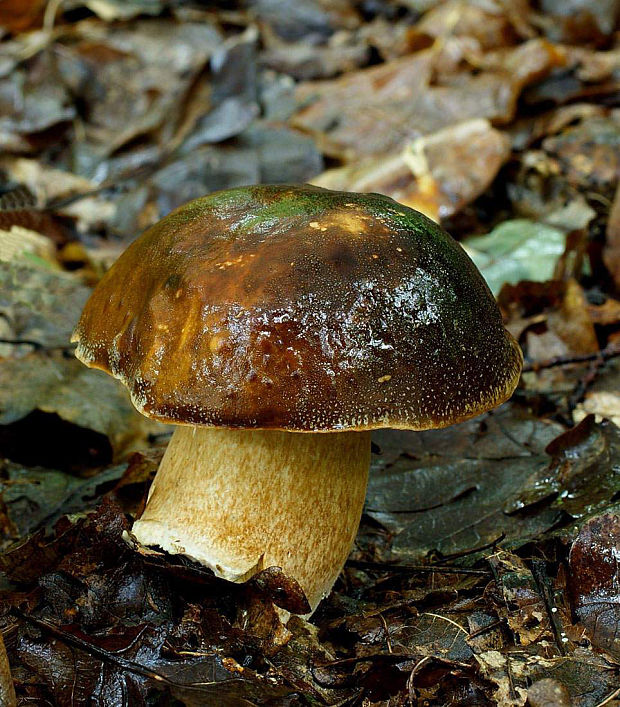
(276, 326)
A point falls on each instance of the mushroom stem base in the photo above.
(239, 501)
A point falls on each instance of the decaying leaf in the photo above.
(121, 624)
(522, 605)
(602, 399)
(452, 498)
(589, 678)
(579, 479)
(548, 693)
(46, 183)
(33, 498)
(454, 501)
(594, 580)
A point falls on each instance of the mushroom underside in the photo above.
(239, 501)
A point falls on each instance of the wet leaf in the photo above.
(282, 590)
(452, 498)
(452, 502)
(117, 624)
(594, 580)
(484, 115)
(582, 476)
(588, 677)
(523, 607)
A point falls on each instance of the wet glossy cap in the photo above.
(299, 308)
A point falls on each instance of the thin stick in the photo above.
(445, 618)
(609, 352)
(609, 698)
(412, 569)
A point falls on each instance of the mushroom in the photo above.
(276, 326)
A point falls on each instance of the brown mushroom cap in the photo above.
(302, 309)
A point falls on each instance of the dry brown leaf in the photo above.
(45, 182)
(489, 22)
(611, 253)
(376, 110)
(437, 174)
(19, 15)
(572, 323)
(593, 580)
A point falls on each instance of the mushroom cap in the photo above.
(302, 309)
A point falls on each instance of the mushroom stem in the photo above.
(239, 501)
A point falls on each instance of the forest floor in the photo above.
(486, 568)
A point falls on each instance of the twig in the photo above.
(371, 658)
(584, 383)
(445, 618)
(511, 684)
(609, 352)
(412, 569)
(485, 629)
(609, 698)
(386, 632)
(49, 17)
(542, 580)
(37, 345)
(390, 657)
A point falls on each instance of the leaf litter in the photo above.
(485, 570)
